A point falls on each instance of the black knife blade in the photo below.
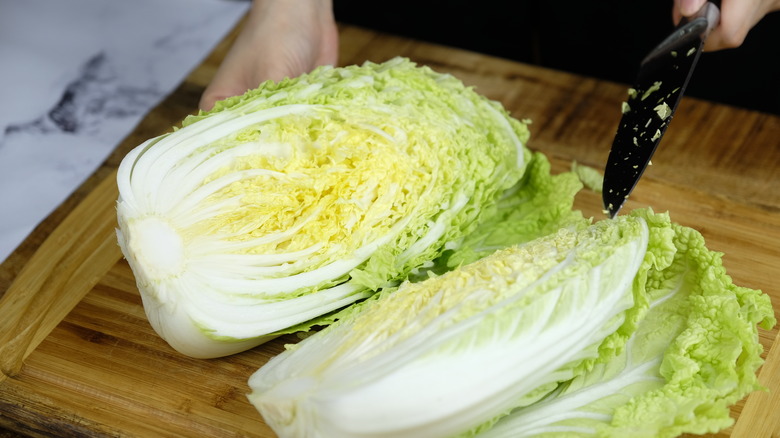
(664, 73)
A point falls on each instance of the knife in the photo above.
(663, 75)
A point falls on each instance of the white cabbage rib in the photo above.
(301, 198)
(438, 358)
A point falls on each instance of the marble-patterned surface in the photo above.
(76, 78)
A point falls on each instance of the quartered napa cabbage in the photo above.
(304, 196)
(627, 327)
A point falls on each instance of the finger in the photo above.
(685, 8)
(690, 7)
(736, 20)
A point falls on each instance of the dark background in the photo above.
(605, 39)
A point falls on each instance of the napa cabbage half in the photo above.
(296, 199)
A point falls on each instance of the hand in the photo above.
(737, 17)
(281, 38)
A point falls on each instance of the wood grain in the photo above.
(79, 358)
(67, 265)
(754, 421)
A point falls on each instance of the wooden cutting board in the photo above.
(78, 357)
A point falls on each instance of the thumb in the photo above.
(689, 7)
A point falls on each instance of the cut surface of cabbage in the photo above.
(301, 197)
